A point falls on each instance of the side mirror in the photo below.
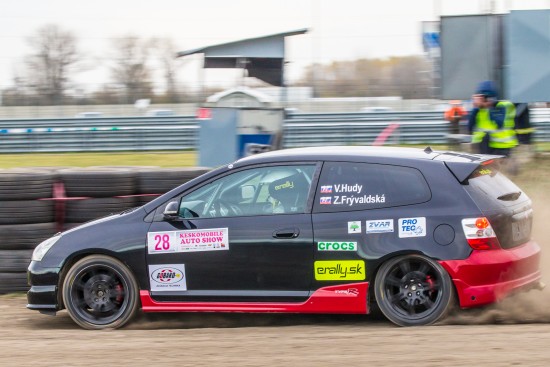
(247, 192)
(171, 210)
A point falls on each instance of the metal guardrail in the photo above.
(98, 134)
(181, 132)
(96, 122)
(119, 139)
(345, 133)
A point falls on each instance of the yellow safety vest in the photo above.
(499, 138)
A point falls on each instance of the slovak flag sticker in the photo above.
(326, 189)
(326, 200)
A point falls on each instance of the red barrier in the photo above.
(385, 134)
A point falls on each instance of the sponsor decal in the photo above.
(350, 291)
(286, 185)
(158, 242)
(348, 188)
(188, 241)
(354, 200)
(412, 227)
(326, 189)
(336, 246)
(170, 277)
(325, 200)
(340, 270)
(379, 226)
(354, 227)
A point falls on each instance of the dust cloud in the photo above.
(523, 308)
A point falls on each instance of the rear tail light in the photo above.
(479, 234)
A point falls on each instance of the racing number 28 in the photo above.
(162, 242)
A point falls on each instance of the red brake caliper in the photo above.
(119, 289)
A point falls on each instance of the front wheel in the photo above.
(100, 292)
(413, 290)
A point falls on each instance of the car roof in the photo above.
(460, 164)
(338, 153)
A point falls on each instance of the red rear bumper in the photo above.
(488, 276)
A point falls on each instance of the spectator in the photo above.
(454, 115)
(492, 121)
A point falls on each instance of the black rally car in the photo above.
(313, 230)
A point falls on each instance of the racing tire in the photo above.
(100, 292)
(81, 211)
(13, 282)
(161, 180)
(15, 261)
(97, 182)
(413, 290)
(25, 236)
(26, 184)
(26, 212)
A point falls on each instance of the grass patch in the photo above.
(161, 159)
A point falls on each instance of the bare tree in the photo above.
(396, 76)
(412, 75)
(165, 51)
(50, 65)
(131, 67)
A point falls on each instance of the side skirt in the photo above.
(339, 299)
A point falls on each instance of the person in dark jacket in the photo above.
(491, 122)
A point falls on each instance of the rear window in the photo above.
(489, 186)
(505, 205)
(347, 186)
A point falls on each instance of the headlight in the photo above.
(44, 246)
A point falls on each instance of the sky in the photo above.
(338, 29)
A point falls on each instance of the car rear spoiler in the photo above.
(463, 170)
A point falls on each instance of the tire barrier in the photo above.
(25, 236)
(36, 203)
(161, 180)
(26, 212)
(25, 184)
(102, 182)
(80, 211)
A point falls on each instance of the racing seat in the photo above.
(291, 192)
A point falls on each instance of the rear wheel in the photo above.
(413, 290)
(100, 292)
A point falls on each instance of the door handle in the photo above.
(286, 233)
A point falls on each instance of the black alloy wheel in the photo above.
(413, 290)
(100, 292)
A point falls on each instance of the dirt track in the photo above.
(513, 333)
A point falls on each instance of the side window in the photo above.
(257, 191)
(347, 186)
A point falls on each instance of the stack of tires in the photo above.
(29, 207)
(154, 181)
(96, 192)
(26, 219)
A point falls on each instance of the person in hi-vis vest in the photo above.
(491, 122)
